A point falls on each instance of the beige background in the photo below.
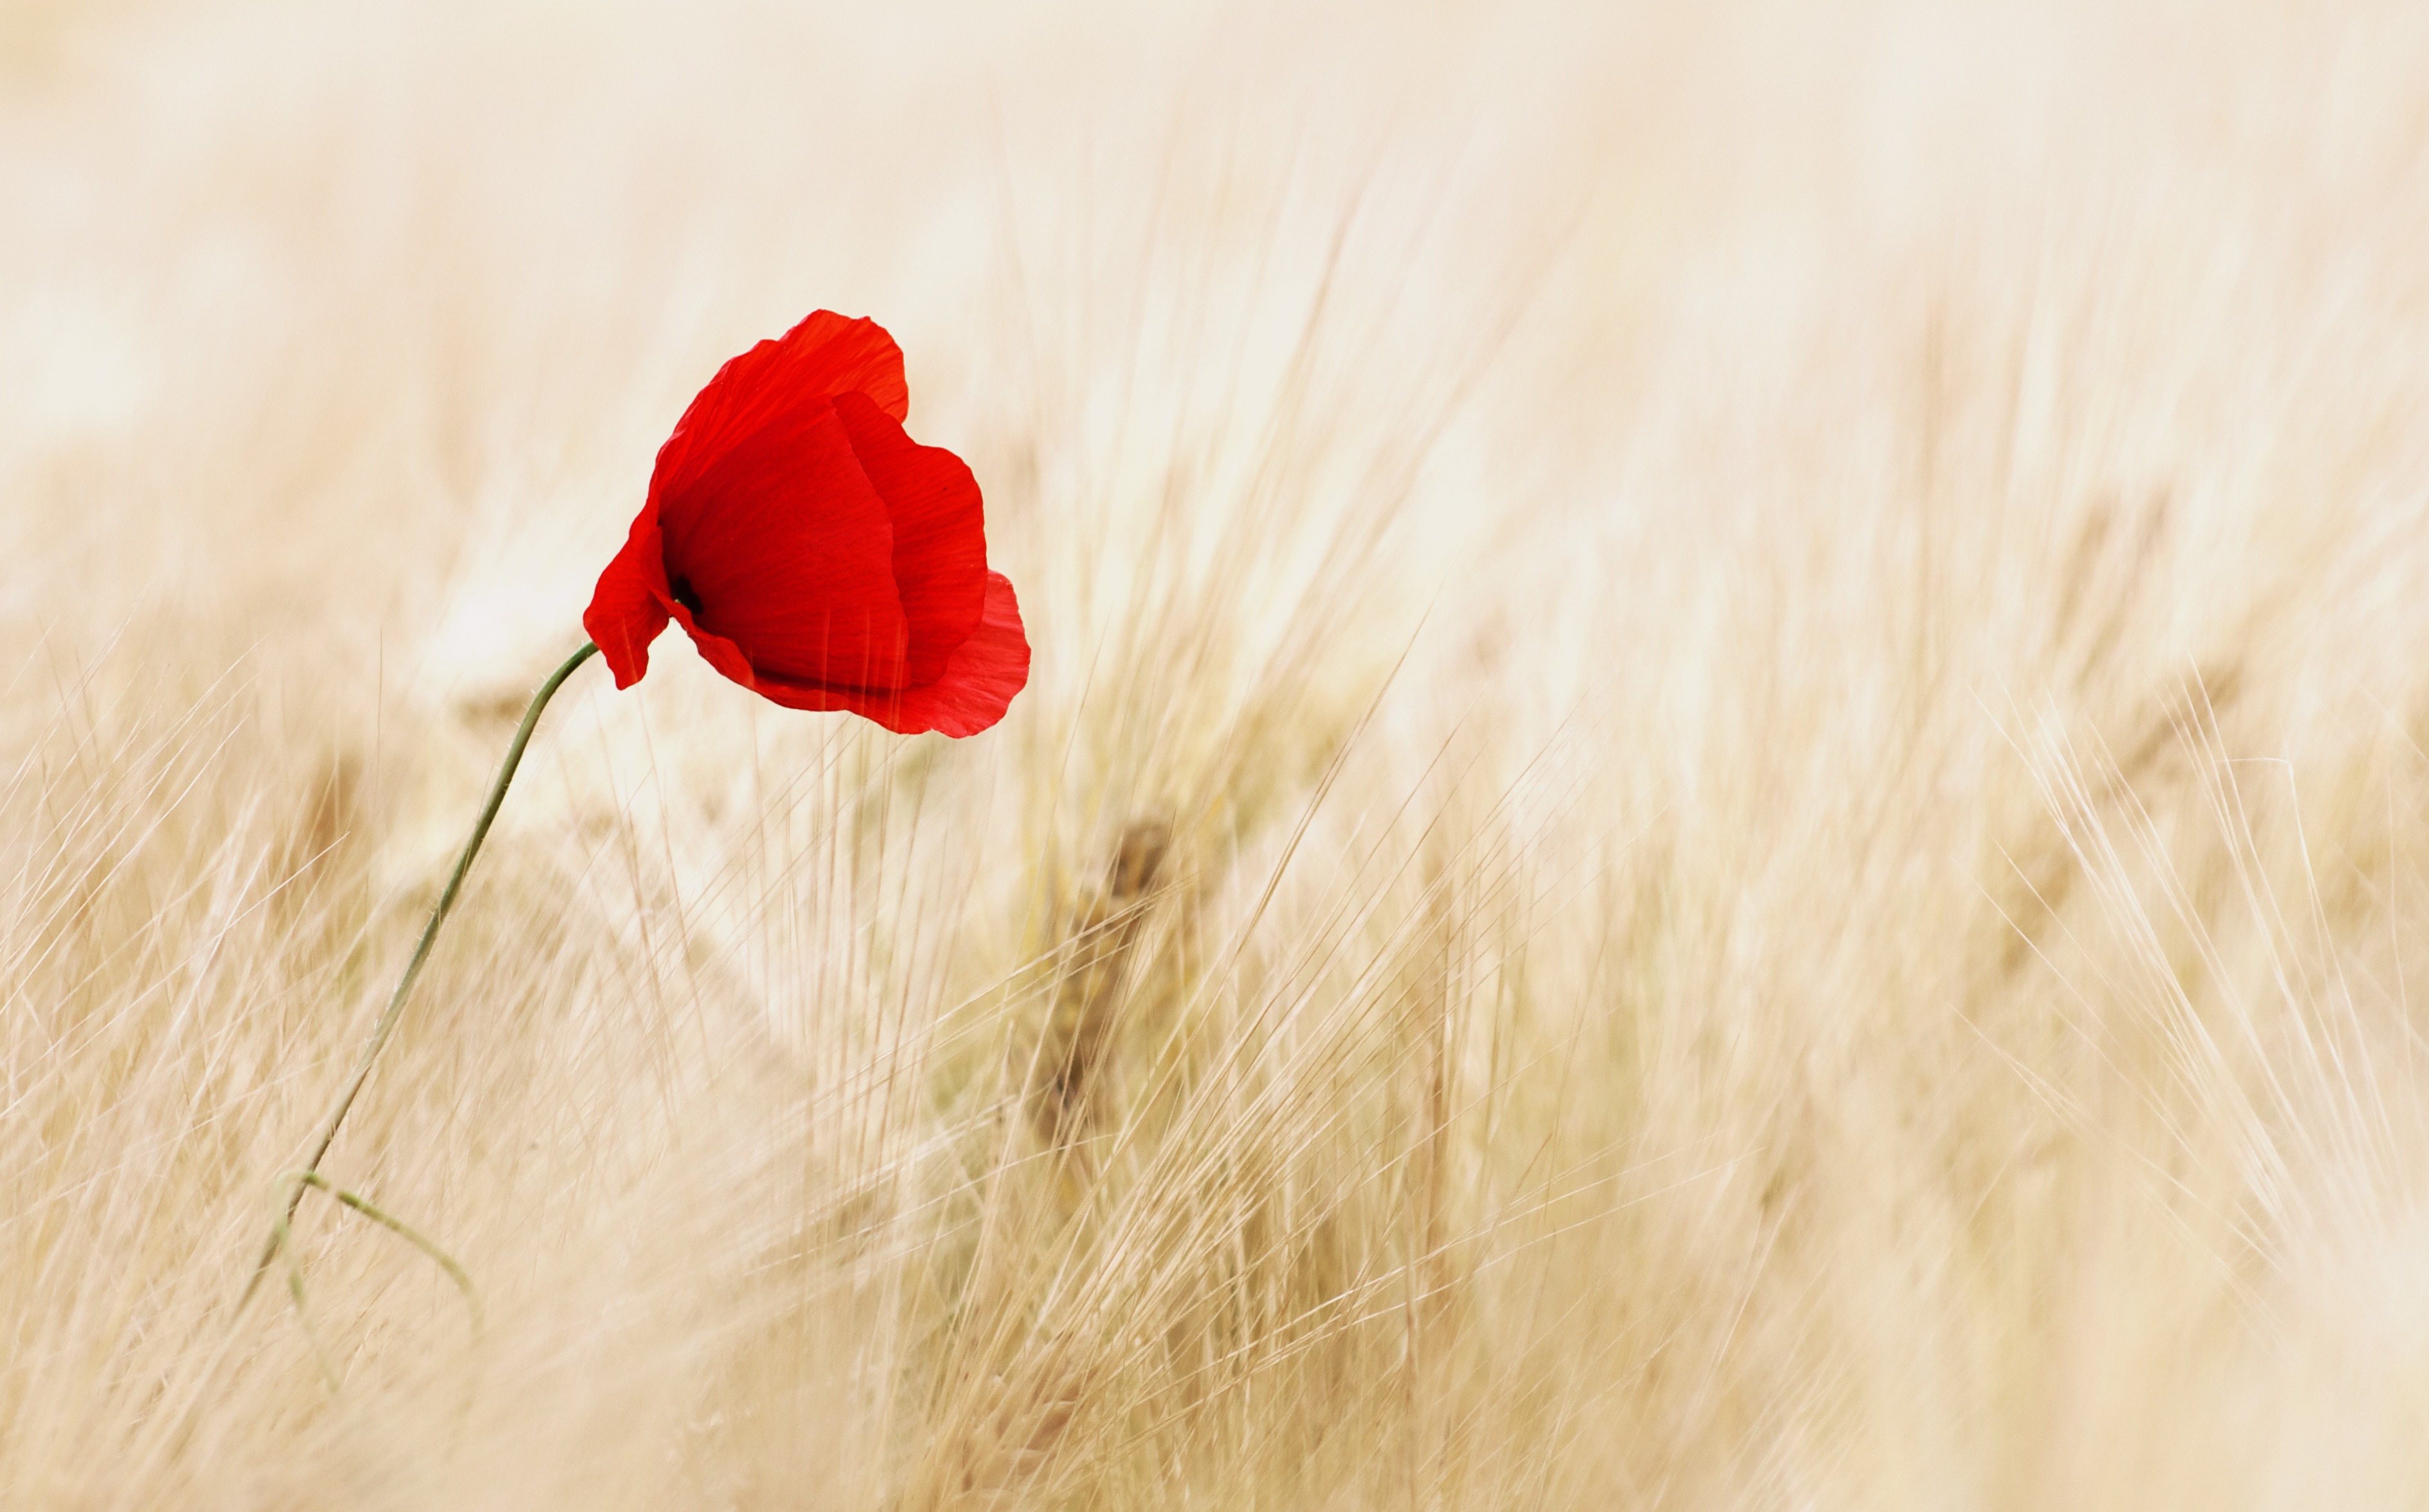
(1723, 804)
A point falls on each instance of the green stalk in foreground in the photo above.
(299, 1181)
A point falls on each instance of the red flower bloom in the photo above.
(813, 553)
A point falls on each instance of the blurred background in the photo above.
(1722, 806)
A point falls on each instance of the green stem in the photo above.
(389, 1221)
(388, 1018)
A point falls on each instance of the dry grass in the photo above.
(1724, 805)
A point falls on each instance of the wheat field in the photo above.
(1723, 803)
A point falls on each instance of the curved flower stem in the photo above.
(387, 1024)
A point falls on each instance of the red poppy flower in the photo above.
(813, 553)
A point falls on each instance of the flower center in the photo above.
(687, 596)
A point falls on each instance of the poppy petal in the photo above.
(784, 549)
(979, 682)
(628, 609)
(940, 574)
(983, 674)
(825, 355)
(717, 650)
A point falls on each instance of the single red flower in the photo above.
(813, 553)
